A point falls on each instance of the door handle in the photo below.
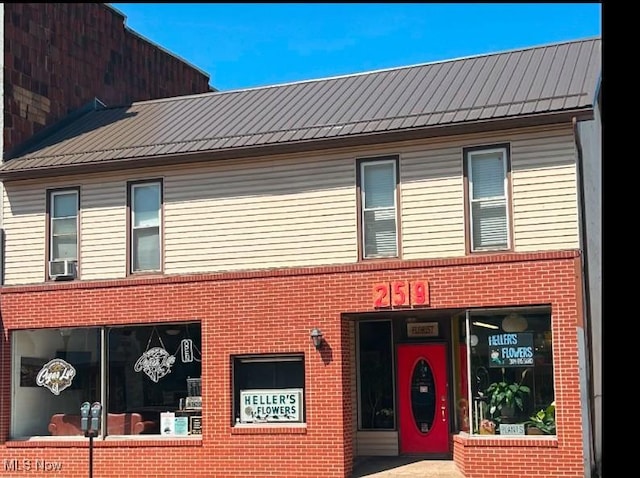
(443, 410)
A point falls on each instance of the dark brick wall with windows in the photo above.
(273, 311)
(59, 56)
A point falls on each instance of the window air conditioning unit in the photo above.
(62, 269)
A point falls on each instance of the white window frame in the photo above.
(504, 198)
(52, 219)
(132, 259)
(363, 209)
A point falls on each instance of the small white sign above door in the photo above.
(422, 329)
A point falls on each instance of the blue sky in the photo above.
(244, 45)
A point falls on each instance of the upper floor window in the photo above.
(64, 225)
(145, 209)
(378, 181)
(63, 232)
(487, 173)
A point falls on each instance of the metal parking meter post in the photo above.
(90, 415)
(90, 455)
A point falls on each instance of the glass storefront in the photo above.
(510, 370)
(136, 372)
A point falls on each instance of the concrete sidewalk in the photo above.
(394, 466)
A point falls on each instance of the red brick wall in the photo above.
(59, 56)
(273, 311)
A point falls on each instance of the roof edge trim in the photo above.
(300, 146)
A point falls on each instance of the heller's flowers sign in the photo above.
(511, 350)
(272, 405)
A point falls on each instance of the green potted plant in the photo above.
(504, 398)
(543, 422)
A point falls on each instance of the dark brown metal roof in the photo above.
(532, 83)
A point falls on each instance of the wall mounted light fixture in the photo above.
(316, 338)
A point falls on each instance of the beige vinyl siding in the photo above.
(103, 253)
(282, 213)
(377, 443)
(432, 200)
(544, 181)
(545, 201)
(296, 211)
(24, 224)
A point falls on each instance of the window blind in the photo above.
(488, 199)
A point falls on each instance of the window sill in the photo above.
(505, 441)
(269, 429)
(110, 441)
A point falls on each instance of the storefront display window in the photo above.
(511, 371)
(268, 389)
(148, 369)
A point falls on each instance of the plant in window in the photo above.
(544, 420)
(504, 397)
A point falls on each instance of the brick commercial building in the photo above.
(300, 275)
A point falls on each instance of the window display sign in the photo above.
(56, 375)
(195, 425)
(274, 405)
(167, 423)
(511, 350)
(511, 429)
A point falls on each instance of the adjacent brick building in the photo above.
(58, 57)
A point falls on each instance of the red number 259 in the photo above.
(400, 294)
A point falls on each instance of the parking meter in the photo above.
(96, 414)
(84, 416)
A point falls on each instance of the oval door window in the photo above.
(423, 404)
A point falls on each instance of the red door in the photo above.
(423, 413)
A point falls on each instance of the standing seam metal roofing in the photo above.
(532, 81)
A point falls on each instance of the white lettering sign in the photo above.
(274, 405)
(155, 362)
(56, 375)
(186, 350)
(510, 350)
(16, 465)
